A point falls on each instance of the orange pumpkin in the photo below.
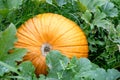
(49, 31)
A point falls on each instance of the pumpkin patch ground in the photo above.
(59, 40)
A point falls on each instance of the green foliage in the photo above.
(101, 30)
(56, 65)
(7, 39)
(26, 71)
(7, 6)
(10, 56)
(59, 66)
(109, 9)
(99, 19)
(63, 68)
(90, 5)
(7, 44)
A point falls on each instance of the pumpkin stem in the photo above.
(45, 49)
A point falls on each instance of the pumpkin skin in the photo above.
(50, 31)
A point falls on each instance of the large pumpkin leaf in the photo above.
(76, 69)
(14, 56)
(112, 74)
(56, 63)
(9, 56)
(24, 71)
(99, 74)
(7, 39)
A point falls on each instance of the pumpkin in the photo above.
(49, 31)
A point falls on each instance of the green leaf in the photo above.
(99, 15)
(113, 74)
(8, 5)
(87, 16)
(57, 62)
(61, 2)
(27, 71)
(99, 74)
(16, 55)
(7, 39)
(82, 63)
(76, 69)
(90, 75)
(42, 77)
(109, 9)
(99, 19)
(5, 68)
(72, 64)
(13, 4)
(91, 4)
